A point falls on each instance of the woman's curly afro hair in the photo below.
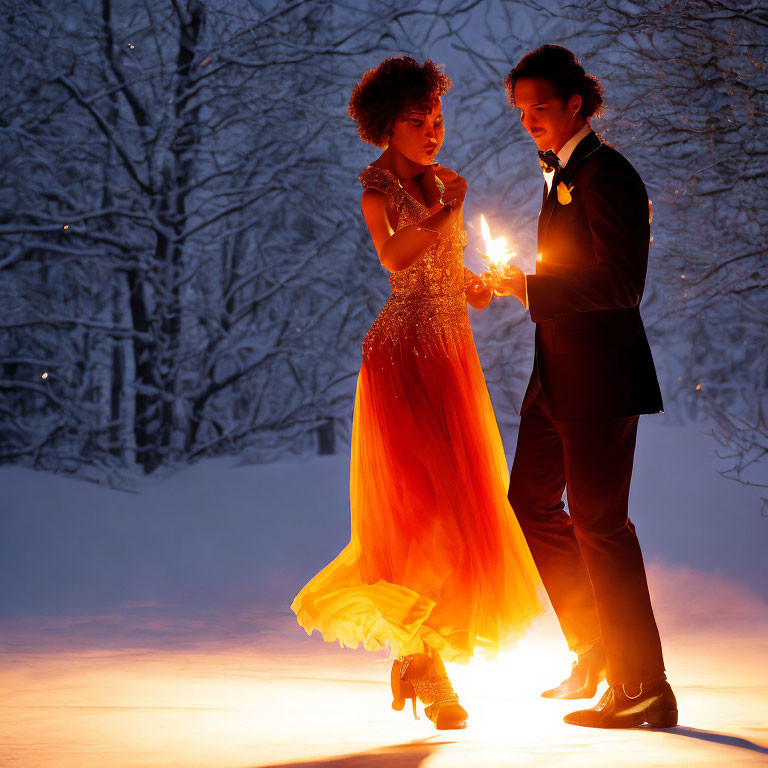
(561, 69)
(389, 92)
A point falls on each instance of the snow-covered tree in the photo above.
(691, 98)
(183, 255)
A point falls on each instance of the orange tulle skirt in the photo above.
(436, 554)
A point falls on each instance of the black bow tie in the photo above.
(549, 161)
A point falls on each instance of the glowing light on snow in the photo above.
(528, 668)
(131, 46)
(44, 375)
(171, 716)
(698, 386)
(66, 226)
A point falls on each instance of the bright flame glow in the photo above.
(521, 672)
(44, 375)
(496, 253)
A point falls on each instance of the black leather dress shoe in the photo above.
(626, 707)
(588, 671)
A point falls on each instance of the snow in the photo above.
(152, 628)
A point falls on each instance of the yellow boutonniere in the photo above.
(564, 193)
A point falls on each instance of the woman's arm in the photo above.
(398, 250)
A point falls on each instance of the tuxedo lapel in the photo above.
(589, 144)
(581, 152)
(540, 226)
(546, 213)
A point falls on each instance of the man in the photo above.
(593, 375)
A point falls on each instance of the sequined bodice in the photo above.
(428, 304)
(439, 271)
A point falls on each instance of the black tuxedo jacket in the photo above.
(592, 357)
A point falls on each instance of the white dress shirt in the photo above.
(564, 155)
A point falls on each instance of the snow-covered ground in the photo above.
(152, 628)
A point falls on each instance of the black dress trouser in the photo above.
(589, 560)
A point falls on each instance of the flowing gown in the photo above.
(436, 553)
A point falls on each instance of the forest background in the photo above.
(184, 268)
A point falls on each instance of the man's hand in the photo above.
(512, 283)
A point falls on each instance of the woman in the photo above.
(436, 563)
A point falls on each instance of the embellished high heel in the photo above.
(401, 679)
(444, 709)
(423, 675)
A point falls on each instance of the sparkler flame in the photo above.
(496, 253)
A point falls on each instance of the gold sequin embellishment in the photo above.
(426, 313)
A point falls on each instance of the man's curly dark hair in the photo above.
(561, 69)
(389, 92)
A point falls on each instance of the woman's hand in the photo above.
(455, 186)
(429, 187)
(455, 190)
(479, 289)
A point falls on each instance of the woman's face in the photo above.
(419, 134)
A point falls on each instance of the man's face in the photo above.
(550, 120)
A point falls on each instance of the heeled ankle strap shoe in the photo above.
(404, 670)
(416, 676)
(442, 702)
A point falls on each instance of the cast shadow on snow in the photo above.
(719, 738)
(410, 755)
(413, 754)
